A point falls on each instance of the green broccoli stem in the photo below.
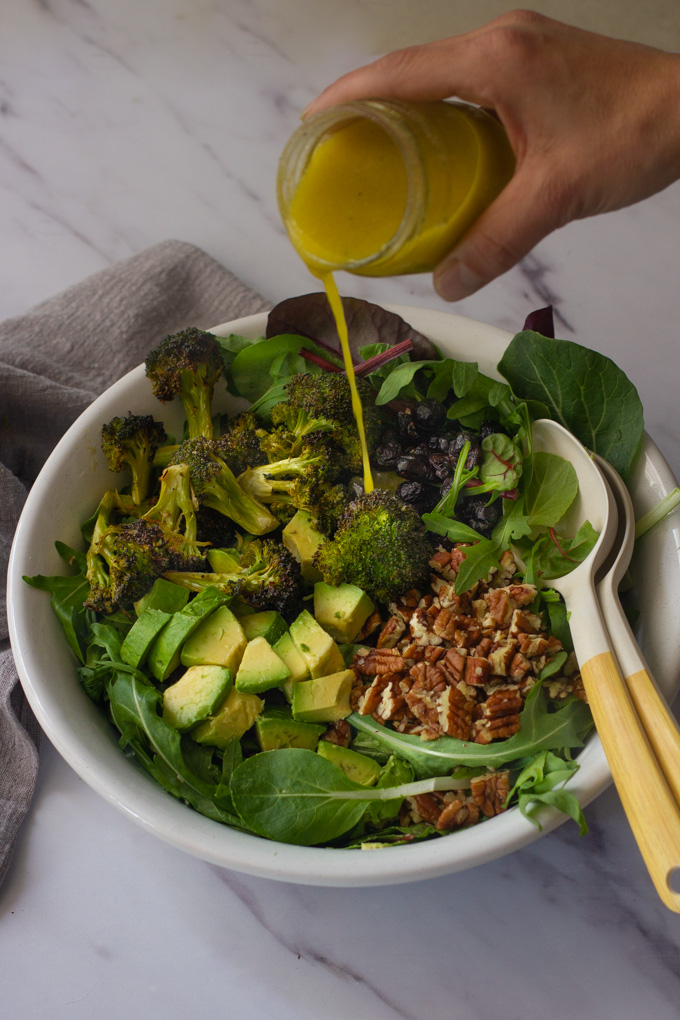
(175, 502)
(227, 497)
(196, 398)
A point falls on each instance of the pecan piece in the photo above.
(391, 632)
(371, 625)
(456, 814)
(378, 661)
(338, 733)
(477, 670)
(490, 792)
(455, 713)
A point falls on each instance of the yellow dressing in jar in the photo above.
(384, 187)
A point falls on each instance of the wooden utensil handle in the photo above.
(661, 728)
(647, 800)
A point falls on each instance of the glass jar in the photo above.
(383, 187)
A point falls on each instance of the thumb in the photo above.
(525, 212)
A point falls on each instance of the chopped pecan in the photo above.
(532, 646)
(524, 623)
(421, 629)
(427, 807)
(457, 813)
(500, 717)
(455, 713)
(519, 666)
(379, 660)
(490, 792)
(391, 702)
(500, 605)
(477, 670)
(445, 624)
(522, 594)
(454, 662)
(391, 632)
(338, 733)
(501, 657)
(433, 653)
(370, 699)
(371, 625)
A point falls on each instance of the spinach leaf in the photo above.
(584, 390)
(552, 487)
(539, 730)
(296, 796)
(67, 595)
(256, 367)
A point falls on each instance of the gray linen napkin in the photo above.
(53, 362)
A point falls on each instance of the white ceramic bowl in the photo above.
(68, 489)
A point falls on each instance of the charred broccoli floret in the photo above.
(187, 365)
(327, 396)
(268, 577)
(214, 485)
(380, 545)
(132, 442)
(119, 569)
(239, 444)
(313, 466)
(290, 427)
(171, 525)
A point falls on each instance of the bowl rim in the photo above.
(184, 828)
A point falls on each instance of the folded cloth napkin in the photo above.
(53, 362)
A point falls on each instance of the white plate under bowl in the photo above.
(69, 488)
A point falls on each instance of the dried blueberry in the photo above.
(489, 428)
(441, 465)
(387, 454)
(478, 513)
(408, 431)
(429, 415)
(474, 456)
(415, 468)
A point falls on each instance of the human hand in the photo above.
(594, 124)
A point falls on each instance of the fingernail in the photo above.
(454, 280)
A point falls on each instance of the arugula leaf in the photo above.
(583, 390)
(158, 746)
(537, 784)
(553, 556)
(67, 595)
(539, 730)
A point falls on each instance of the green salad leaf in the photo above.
(539, 729)
(583, 390)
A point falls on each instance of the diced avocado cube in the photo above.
(276, 728)
(302, 540)
(223, 561)
(218, 641)
(164, 595)
(261, 668)
(325, 699)
(234, 718)
(341, 610)
(268, 624)
(318, 648)
(164, 654)
(141, 636)
(285, 647)
(196, 695)
(358, 767)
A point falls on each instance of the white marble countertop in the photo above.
(123, 124)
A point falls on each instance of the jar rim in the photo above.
(386, 114)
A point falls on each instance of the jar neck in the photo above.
(390, 116)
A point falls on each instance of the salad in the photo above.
(315, 664)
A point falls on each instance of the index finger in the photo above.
(437, 70)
